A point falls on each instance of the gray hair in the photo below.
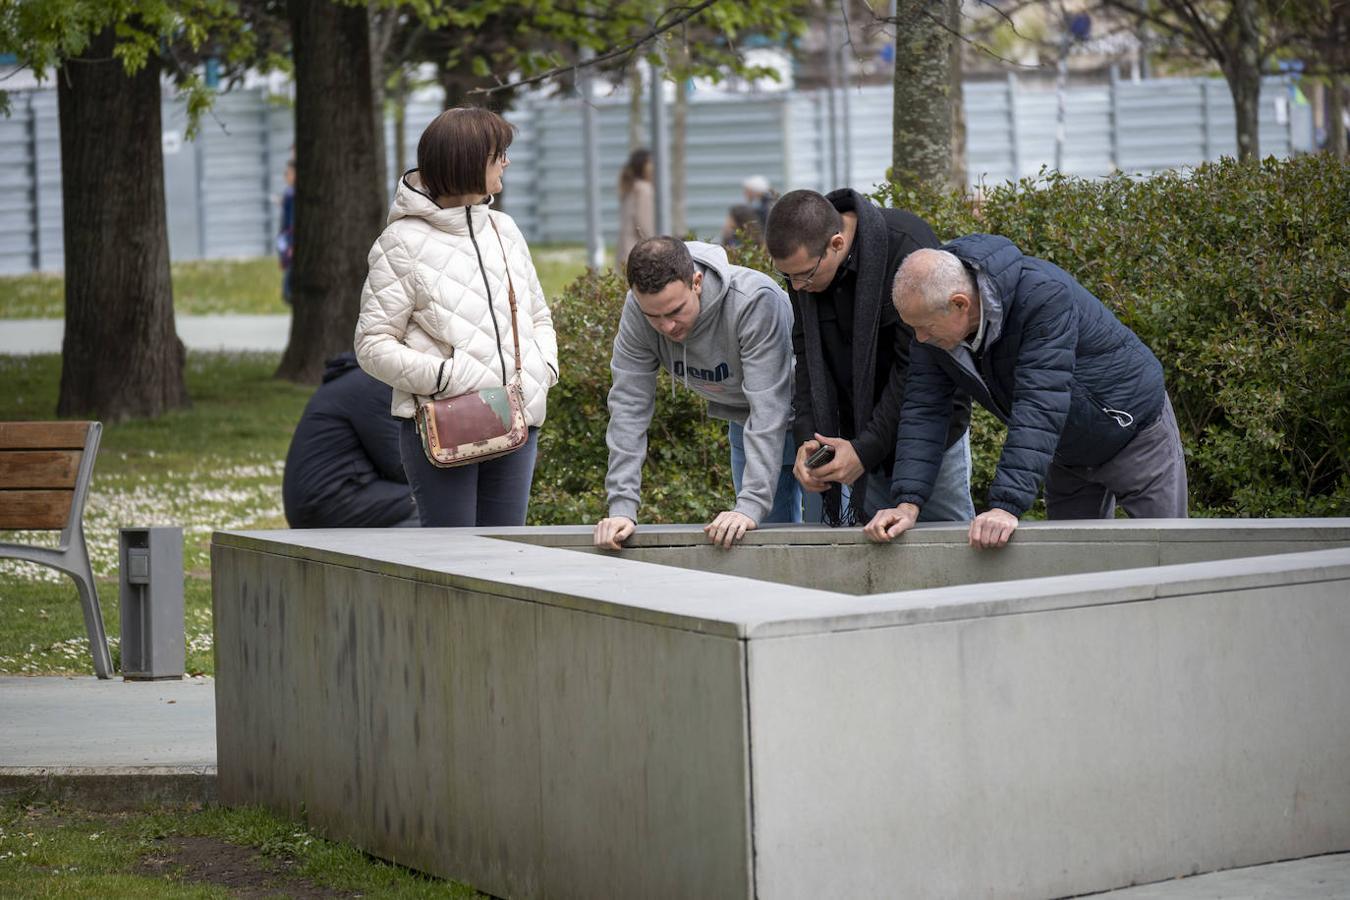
(932, 276)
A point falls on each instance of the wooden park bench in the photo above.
(44, 480)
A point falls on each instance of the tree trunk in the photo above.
(921, 143)
(679, 132)
(1243, 73)
(400, 102)
(338, 205)
(1246, 90)
(1336, 116)
(635, 130)
(958, 101)
(121, 357)
(382, 25)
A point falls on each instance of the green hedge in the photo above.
(1237, 276)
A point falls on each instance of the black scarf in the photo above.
(872, 248)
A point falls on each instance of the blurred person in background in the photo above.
(742, 224)
(637, 204)
(760, 197)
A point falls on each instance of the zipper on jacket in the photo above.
(1119, 416)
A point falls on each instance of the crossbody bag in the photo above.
(479, 425)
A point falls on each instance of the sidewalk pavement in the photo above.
(108, 744)
(20, 337)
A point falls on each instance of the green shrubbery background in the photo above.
(1237, 276)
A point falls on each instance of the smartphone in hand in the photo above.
(820, 457)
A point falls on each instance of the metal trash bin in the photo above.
(151, 600)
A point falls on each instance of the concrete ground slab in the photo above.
(84, 722)
(1318, 878)
(19, 337)
(108, 744)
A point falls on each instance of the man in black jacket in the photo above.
(837, 256)
(343, 469)
(1082, 396)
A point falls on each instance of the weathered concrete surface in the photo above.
(1319, 878)
(530, 749)
(593, 725)
(934, 556)
(110, 788)
(1055, 752)
(82, 722)
(107, 745)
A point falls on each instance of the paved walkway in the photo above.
(27, 336)
(87, 724)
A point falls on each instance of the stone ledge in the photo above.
(111, 788)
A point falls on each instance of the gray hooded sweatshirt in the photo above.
(738, 356)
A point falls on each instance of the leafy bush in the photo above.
(1237, 276)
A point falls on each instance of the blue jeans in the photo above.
(787, 496)
(949, 501)
(496, 492)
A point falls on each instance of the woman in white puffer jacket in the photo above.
(435, 317)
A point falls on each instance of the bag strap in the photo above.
(510, 293)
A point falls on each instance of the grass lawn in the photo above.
(217, 465)
(201, 853)
(251, 286)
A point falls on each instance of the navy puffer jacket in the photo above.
(1070, 381)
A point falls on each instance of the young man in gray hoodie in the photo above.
(725, 332)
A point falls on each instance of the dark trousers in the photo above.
(496, 492)
(375, 504)
(1147, 478)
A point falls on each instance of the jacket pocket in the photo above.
(1094, 431)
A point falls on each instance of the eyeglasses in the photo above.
(804, 280)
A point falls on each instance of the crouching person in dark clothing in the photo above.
(1083, 398)
(343, 469)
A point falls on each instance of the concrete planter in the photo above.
(808, 715)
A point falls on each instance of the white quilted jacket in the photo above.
(426, 323)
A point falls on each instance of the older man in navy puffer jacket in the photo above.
(1083, 398)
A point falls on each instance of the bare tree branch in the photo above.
(848, 32)
(1007, 15)
(942, 23)
(1203, 36)
(624, 52)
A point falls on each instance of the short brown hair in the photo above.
(656, 262)
(801, 219)
(455, 149)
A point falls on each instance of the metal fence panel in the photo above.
(18, 248)
(807, 142)
(48, 231)
(239, 163)
(991, 152)
(223, 189)
(870, 116)
(727, 140)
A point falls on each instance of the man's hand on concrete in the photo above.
(807, 477)
(992, 529)
(728, 528)
(891, 523)
(610, 533)
(845, 468)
